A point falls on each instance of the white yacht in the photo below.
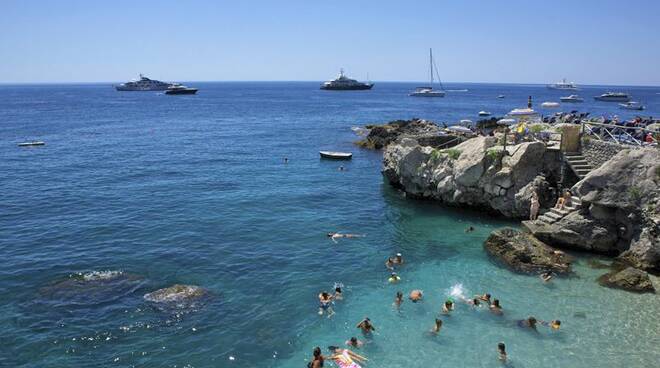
(484, 113)
(344, 83)
(145, 84)
(632, 105)
(613, 97)
(571, 98)
(428, 91)
(527, 115)
(563, 85)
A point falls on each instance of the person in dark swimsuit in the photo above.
(317, 359)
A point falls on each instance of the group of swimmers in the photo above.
(326, 299)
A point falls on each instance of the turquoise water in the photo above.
(193, 189)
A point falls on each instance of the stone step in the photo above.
(572, 154)
(582, 172)
(559, 212)
(546, 219)
(553, 215)
(581, 165)
(578, 162)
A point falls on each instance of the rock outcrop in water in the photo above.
(425, 132)
(475, 173)
(175, 294)
(524, 253)
(90, 288)
(630, 279)
(620, 211)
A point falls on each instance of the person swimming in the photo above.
(437, 326)
(496, 308)
(473, 302)
(501, 352)
(354, 342)
(366, 326)
(389, 263)
(324, 304)
(484, 298)
(338, 294)
(317, 359)
(335, 236)
(394, 278)
(469, 229)
(546, 276)
(398, 259)
(555, 324)
(398, 300)
(416, 295)
(448, 306)
(286, 160)
(530, 322)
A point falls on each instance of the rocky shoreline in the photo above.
(619, 212)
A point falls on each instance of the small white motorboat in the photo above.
(632, 105)
(31, 144)
(550, 105)
(571, 98)
(460, 129)
(484, 113)
(501, 96)
(336, 155)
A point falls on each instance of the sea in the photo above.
(137, 191)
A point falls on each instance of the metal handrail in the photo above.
(612, 128)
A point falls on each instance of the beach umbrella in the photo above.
(506, 121)
(459, 129)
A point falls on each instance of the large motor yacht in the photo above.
(344, 83)
(145, 84)
(563, 85)
(613, 97)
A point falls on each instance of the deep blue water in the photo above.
(193, 189)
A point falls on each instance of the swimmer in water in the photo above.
(398, 260)
(394, 278)
(496, 308)
(437, 326)
(341, 168)
(354, 342)
(366, 326)
(324, 304)
(416, 295)
(501, 352)
(530, 322)
(554, 324)
(474, 302)
(469, 229)
(338, 294)
(398, 300)
(286, 160)
(335, 236)
(346, 358)
(546, 276)
(317, 359)
(389, 263)
(447, 307)
(484, 298)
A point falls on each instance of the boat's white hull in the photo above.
(571, 99)
(428, 94)
(632, 107)
(336, 155)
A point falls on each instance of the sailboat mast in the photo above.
(431, 64)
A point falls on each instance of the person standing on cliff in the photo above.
(534, 206)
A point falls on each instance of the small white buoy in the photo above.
(232, 358)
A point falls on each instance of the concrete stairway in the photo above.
(555, 214)
(578, 164)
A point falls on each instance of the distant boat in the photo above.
(526, 115)
(31, 144)
(613, 97)
(344, 83)
(336, 155)
(550, 105)
(571, 98)
(180, 90)
(428, 91)
(563, 85)
(632, 105)
(145, 84)
(484, 113)
(501, 96)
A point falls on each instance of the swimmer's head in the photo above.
(496, 302)
(501, 347)
(338, 289)
(354, 340)
(317, 351)
(531, 320)
(398, 255)
(555, 324)
(333, 348)
(325, 295)
(438, 322)
(487, 296)
(331, 234)
(475, 301)
(399, 295)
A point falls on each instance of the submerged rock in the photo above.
(176, 293)
(524, 253)
(630, 279)
(89, 288)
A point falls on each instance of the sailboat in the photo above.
(428, 91)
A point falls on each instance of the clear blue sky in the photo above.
(588, 41)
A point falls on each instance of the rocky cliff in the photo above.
(477, 172)
(620, 211)
(426, 132)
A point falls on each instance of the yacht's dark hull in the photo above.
(359, 87)
(187, 91)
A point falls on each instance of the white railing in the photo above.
(616, 133)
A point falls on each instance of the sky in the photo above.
(502, 41)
